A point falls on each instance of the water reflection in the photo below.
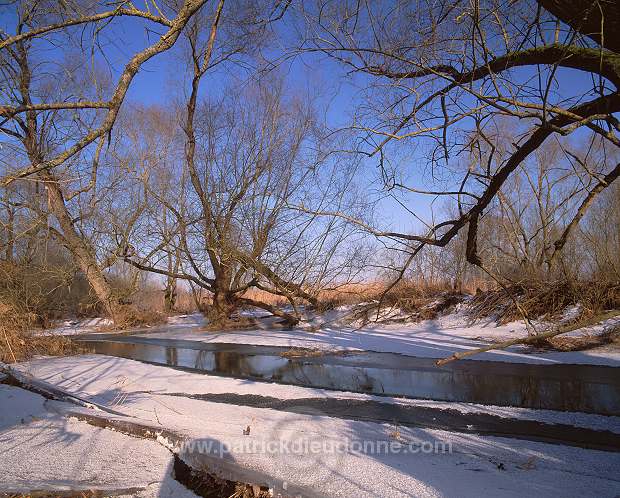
(587, 388)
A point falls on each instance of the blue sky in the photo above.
(159, 81)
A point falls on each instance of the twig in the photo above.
(6, 338)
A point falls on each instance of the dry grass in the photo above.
(44, 292)
(265, 297)
(349, 293)
(303, 353)
(409, 301)
(152, 299)
(546, 300)
(250, 491)
(417, 299)
(610, 337)
(407, 295)
(31, 296)
(18, 342)
(147, 308)
(130, 316)
(410, 296)
(18, 345)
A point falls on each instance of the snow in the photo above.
(191, 320)
(20, 407)
(476, 465)
(571, 313)
(76, 327)
(45, 447)
(44, 451)
(95, 325)
(437, 338)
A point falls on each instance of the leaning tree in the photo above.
(61, 96)
(445, 76)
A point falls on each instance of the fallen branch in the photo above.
(530, 340)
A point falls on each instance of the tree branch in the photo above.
(133, 12)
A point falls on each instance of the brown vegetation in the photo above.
(587, 341)
(546, 300)
(46, 290)
(407, 301)
(18, 342)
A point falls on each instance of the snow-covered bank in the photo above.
(46, 452)
(77, 326)
(437, 338)
(104, 325)
(474, 465)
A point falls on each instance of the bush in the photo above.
(412, 297)
(43, 292)
(408, 301)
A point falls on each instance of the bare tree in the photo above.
(444, 75)
(51, 121)
(150, 153)
(225, 221)
(228, 219)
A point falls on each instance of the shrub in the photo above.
(43, 292)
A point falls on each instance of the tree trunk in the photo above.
(81, 251)
(170, 291)
(170, 295)
(223, 305)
